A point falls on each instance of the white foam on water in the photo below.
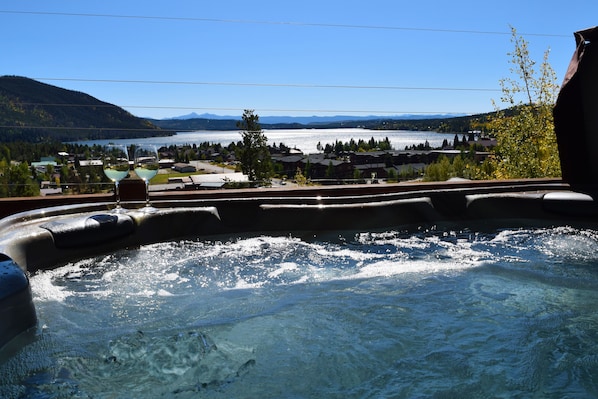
(248, 263)
(46, 290)
(283, 268)
(389, 268)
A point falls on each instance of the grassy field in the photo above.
(162, 178)
(165, 174)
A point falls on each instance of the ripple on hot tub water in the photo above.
(138, 364)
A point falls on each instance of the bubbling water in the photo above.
(375, 314)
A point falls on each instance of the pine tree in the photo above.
(253, 153)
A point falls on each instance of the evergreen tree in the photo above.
(253, 152)
(385, 145)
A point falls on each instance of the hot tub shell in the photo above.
(48, 237)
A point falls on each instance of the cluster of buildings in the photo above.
(320, 167)
(400, 164)
(354, 165)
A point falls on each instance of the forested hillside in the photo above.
(459, 124)
(32, 111)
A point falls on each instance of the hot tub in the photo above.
(334, 296)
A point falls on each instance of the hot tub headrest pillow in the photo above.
(92, 230)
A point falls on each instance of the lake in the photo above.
(305, 140)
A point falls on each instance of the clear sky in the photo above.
(326, 57)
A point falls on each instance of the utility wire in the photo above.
(372, 111)
(291, 85)
(252, 84)
(84, 128)
(289, 23)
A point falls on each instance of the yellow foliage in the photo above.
(526, 142)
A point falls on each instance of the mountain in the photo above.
(309, 120)
(447, 123)
(32, 111)
(314, 120)
(194, 115)
(192, 124)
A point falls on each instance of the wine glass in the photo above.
(115, 162)
(146, 167)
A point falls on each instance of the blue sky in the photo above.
(168, 58)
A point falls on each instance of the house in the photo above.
(408, 171)
(290, 163)
(42, 165)
(48, 188)
(325, 168)
(166, 163)
(373, 169)
(184, 167)
(90, 162)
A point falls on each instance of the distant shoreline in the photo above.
(302, 139)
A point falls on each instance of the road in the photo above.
(210, 168)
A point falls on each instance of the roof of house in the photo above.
(291, 158)
(370, 166)
(184, 166)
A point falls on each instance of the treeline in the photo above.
(360, 145)
(459, 125)
(31, 152)
(19, 179)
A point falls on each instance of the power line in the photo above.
(290, 85)
(281, 23)
(352, 111)
(82, 128)
(253, 84)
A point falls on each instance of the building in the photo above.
(184, 167)
(217, 180)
